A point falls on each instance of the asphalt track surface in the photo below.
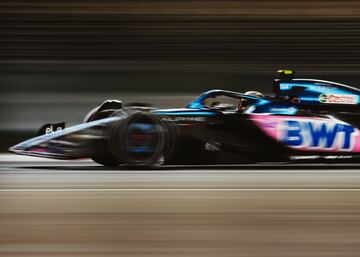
(77, 208)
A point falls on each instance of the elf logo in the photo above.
(319, 135)
(338, 99)
(51, 128)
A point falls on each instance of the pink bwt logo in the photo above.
(318, 134)
(310, 133)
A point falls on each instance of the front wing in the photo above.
(75, 142)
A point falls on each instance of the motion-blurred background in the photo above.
(58, 59)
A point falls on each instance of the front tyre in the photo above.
(141, 140)
(106, 160)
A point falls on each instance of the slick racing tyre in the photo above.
(106, 160)
(142, 139)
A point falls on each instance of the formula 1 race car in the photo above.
(306, 119)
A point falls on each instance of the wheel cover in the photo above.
(143, 140)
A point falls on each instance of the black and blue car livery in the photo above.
(304, 120)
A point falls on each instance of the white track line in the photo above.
(183, 189)
(178, 171)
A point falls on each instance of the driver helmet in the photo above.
(255, 93)
(244, 103)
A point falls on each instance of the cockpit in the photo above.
(223, 100)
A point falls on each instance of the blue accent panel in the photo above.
(142, 126)
(273, 108)
(195, 105)
(190, 113)
(262, 102)
(141, 149)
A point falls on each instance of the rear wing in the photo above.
(314, 92)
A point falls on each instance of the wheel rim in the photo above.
(143, 140)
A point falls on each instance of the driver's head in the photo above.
(255, 93)
(245, 103)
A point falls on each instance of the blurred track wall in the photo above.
(85, 45)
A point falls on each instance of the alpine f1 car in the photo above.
(305, 119)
